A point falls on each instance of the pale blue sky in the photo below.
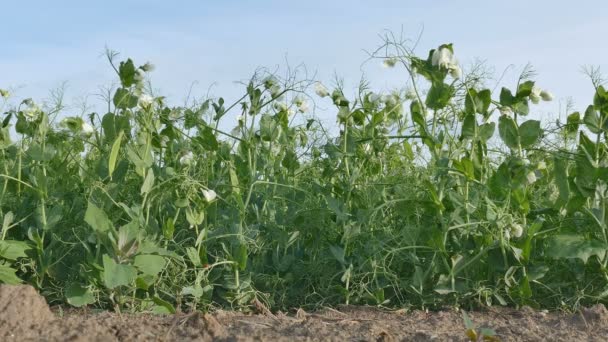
(47, 42)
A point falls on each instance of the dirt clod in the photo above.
(22, 306)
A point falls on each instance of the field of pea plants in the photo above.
(446, 194)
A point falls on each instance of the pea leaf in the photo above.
(115, 275)
(529, 133)
(13, 249)
(148, 182)
(439, 95)
(508, 131)
(126, 72)
(97, 219)
(149, 264)
(8, 275)
(77, 295)
(469, 126)
(114, 154)
(123, 99)
(592, 120)
(572, 123)
(486, 131)
(570, 246)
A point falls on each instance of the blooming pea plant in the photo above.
(442, 193)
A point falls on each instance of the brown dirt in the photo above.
(25, 316)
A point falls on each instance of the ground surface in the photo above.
(25, 316)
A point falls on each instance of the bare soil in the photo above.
(25, 316)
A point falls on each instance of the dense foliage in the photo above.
(444, 194)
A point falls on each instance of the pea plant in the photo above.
(442, 193)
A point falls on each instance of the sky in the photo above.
(208, 46)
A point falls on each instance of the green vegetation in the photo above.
(444, 194)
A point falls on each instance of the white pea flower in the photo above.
(321, 90)
(87, 128)
(516, 230)
(148, 67)
(535, 94)
(139, 76)
(187, 158)
(209, 195)
(531, 177)
(546, 95)
(506, 111)
(240, 119)
(390, 100)
(145, 100)
(270, 82)
(455, 71)
(303, 107)
(301, 104)
(275, 91)
(374, 98)
(280, 106)
(389, 62)
(32, 111)
(175, 114)
(442, 58)
(410, 95)
(541, 165)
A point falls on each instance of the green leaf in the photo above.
(477, 102)
(469, 126)
(123, 99)
(194, 256)
(506, 97)
(525, 89)
(439, 95)
(163, 307)
(290, 161)
(338, 253)
(8, 275)
(206, 138)
(39, 153)
(572, 123)
(592, 120)
(115, 275)
(418, 117)
(6, 222)
(529, 133)
(168, 229)
(112, 124)
(13, 249)
(268, 128)
(570, 246)
(148, 182)
(78, 296)
(149, 264)
(126, 72)
(508, 131)
(196, 291)
(521, 107)
(97, 219)
(242, 256)
(114, 154)
(486, 131)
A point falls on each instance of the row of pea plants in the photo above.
(444, 193)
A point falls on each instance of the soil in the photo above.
(25, 316)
